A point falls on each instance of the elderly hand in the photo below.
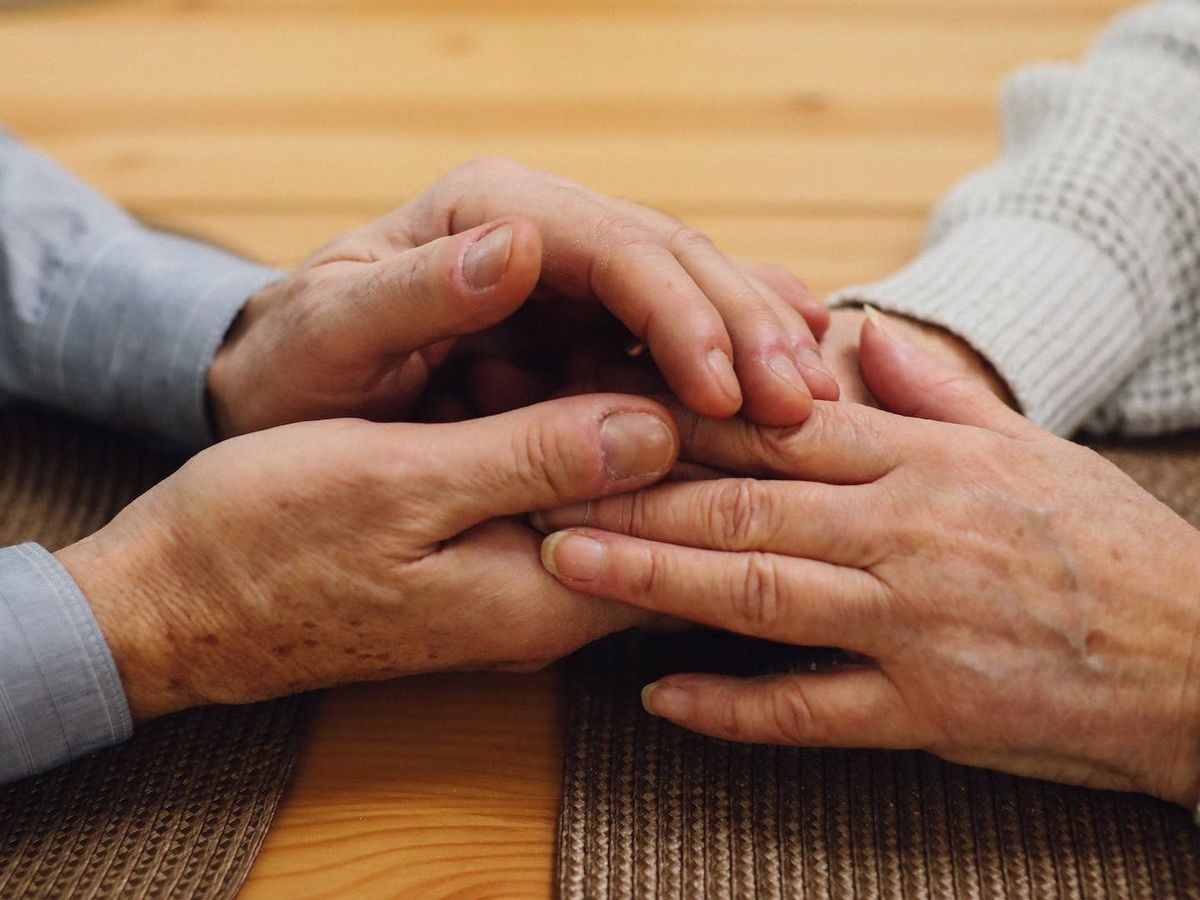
(359, 327)
(839, 346)
(343, 550)
(1019, 602)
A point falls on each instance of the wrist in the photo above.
(130, 613)
(227, 399)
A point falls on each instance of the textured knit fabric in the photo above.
(1073, 263)
(180, 810)
(104, 318)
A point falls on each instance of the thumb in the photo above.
(540, 457)
(448, 288)
(908, 381)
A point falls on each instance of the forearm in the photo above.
(101, 316)
(1071, 264)
(60, 695)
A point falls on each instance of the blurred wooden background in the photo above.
(817, 133)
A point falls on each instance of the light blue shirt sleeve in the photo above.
(105, 318)
(60, 695)
(101, 316)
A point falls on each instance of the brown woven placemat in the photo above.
(650, 810)
(182, 809)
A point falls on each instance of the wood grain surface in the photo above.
(814, 132)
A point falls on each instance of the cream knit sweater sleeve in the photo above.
(1073, 262)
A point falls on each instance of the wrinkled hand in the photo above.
(840, 349)
(344, 550)
(1020, 602)
(360, 326)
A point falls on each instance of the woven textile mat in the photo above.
(650, 810)
(182, 809)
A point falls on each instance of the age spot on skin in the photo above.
(308, 625)
(1095, 641)
(349, 651)
(309, 642)
(209, 639)
(354, 623)
(282, 650)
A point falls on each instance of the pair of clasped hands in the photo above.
(418, 473)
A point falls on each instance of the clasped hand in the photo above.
(1016, 600)
(322, 552)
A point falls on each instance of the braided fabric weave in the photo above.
(182, 809)
(650, 810)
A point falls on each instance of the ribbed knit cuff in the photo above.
(1024, 293)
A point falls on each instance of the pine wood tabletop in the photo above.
(817, 133)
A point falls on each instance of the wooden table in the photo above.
(814, 132)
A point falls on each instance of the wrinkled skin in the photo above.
(1018, 602)
(362, 326)
(343, 550)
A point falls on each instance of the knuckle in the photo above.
(540, 457)
(792, 715)
(737, 511)
(783, 449)
(615, 231)
(829, 426)
(758, 603)
(633, 516)
(733, 721)
(687, 241)
(651, 574)
(413, 281)
(466, 184)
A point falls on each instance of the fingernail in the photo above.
(570, 516)
(721, 366)
(485, 260)
(809, 358)
(666, 700)
(567, 554)
(876, 318)
(785, 369)
(636, 445)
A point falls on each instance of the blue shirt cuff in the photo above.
(60, 693)
(138, 351)
(102, 316)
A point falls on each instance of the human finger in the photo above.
(541, 456)
(647, 289)
(819, 375)
(845, 707)
(408, 301)
(792, 290)
(796, 518)
(771, 342)
(840, 443)
(784, 598)
(911, 382)
(525, 614)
